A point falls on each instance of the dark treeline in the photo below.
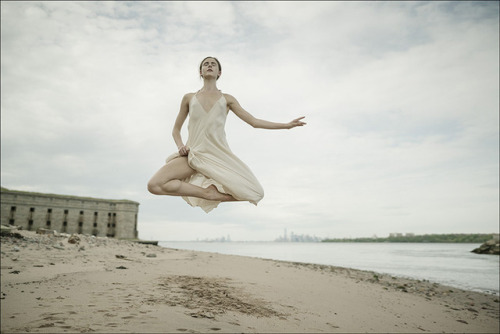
(437, 238)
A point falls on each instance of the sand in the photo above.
(105, 285)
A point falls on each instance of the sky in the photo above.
(401, 101)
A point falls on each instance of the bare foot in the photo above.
(214, 195)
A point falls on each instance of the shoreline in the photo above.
(226, 248)
(108, 285)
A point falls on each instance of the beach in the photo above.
(56, 283)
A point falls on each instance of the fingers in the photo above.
(183, 150)
(298, 122)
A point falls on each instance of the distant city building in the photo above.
(70, 214)
(220, 239)
(297, 238)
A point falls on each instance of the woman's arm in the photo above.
(256, 122)
(179, 121)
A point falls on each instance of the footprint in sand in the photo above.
(51, 324)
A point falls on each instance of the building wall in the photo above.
(69, 214)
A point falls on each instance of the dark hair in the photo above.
(218, 63)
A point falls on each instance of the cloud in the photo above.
(401, 100)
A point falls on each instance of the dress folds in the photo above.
(213, 160)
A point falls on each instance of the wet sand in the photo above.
(106, 285)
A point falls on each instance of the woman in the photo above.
(204, 170)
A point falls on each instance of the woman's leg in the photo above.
(167, 181)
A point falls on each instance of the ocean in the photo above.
(449, 264)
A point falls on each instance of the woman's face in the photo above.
(210, 68)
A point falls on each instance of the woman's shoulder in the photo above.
(188, 96)
(229, 97)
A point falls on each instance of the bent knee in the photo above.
(163, 188)
(153, 187)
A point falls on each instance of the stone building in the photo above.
(70, 214)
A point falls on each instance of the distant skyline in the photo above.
(401, 101)
(293, 237)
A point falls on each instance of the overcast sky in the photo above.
(401, 101)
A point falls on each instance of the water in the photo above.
(450, 264)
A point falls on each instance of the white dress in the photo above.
(213, 160)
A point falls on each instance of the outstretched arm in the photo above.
(256, 122)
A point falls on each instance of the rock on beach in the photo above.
(489, 247)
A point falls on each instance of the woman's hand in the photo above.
(183, 150)
(296, 122)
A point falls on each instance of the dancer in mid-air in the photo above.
(204, 171)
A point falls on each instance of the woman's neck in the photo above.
(209, 85)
